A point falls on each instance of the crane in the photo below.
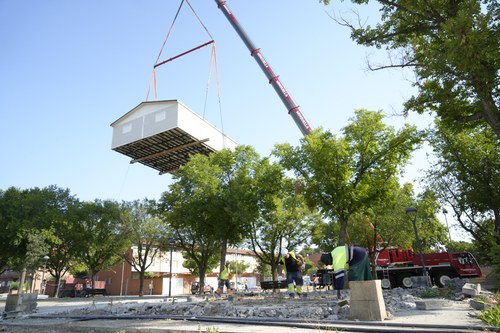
(274, 80)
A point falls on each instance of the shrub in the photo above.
(437, 293)
(491, 316)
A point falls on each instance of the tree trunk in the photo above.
(141, 283)
(342, 233)
(21, 281)
(203, 272)
(223, 255)
(58, 279)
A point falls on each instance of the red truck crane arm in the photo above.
(274, 80)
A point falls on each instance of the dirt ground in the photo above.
(316, 307)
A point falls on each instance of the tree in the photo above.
(147, 235)
(466, 177)
(193, 268)
(235, 200)
(238, 267)
(345, 175)
(104, 235)
(284, 220)
(209, 206)
(187, 208)
(33, 225)
(454, 50)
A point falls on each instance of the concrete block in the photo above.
(478, 305)
(432, 304)
(471, 289)
(367, 311)
(21, 302)
(366, 290)
(367, 301)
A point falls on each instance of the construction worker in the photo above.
(292, 265)
(354, 259)
(224, 280)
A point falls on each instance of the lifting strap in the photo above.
(153, 78)
(213, 61)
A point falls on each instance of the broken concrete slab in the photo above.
(471, 289)
(479, 305)
(432, 304)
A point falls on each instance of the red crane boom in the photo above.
(274, 80)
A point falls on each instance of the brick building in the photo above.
(123, 280)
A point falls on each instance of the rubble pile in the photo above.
(316, 305)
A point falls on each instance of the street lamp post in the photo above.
(447, 226)
(42, 287)
(411, 212)
(171, 241)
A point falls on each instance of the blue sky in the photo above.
(68, 69)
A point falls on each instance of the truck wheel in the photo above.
(441, 277)
(404, 281)
(386, 283)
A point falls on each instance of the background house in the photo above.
(123, 280)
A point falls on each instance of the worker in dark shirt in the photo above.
(292, 264)
(352, 258)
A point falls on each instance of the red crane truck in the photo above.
(396, 267)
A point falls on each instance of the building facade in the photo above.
(169, 277)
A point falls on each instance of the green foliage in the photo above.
(491, 316)
(104, 235)
(151, 275)
(238, 266)
(453, 48)
(14, 285)
(438, 293)
(495, 255)
(211, 203)
(285, 219)
(192, 265)
(208, 330)
(147, 233)
(466, 178)
(30, 220)
(264, 270)
(345, 175)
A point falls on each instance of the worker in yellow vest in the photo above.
(352, 259)
(224, 280)
(293, 264)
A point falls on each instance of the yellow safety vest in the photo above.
(224, 275)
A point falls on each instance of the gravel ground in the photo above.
(318, 306)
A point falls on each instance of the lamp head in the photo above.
(411, 212)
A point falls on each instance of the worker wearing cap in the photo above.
(292, 267)
(353, 259)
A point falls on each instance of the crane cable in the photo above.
(153, 78)
(213, 59)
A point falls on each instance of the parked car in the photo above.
(195, 288)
